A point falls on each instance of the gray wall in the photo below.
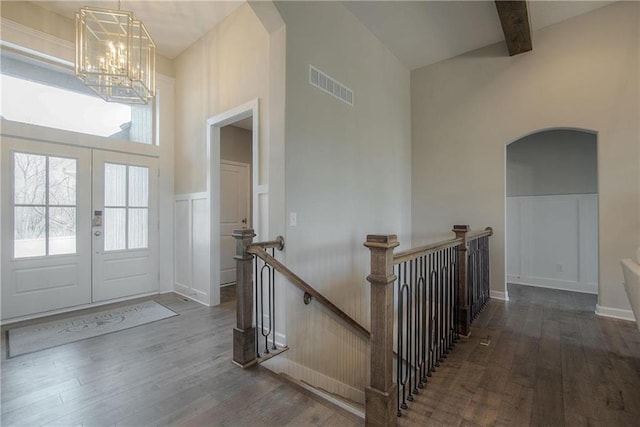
(347, 175)
(552, 162)
(235, 144)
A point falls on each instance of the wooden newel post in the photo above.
(381, 405)
(463, 326)
(244, 334)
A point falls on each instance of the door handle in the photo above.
(244, 221)
(97, 233)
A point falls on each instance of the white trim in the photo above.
(65, 137)
(249, 109)
(615, 313)
(75, 308)
(503, 296)
(329, 398)
(190, 298)
(560, 285)
(31, 41)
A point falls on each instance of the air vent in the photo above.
(330, 85)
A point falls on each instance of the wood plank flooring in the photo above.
(176, 371)
(551, 362)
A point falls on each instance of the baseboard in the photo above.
(316, 379)
(503, 296)
(615, 313)
(191, 297)
(554, 284)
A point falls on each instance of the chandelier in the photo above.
(115, 56)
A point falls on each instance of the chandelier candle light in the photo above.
(115, 56)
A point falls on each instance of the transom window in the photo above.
(44, 202)
(126, 207)
(44, 94)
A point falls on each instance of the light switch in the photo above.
(293, 219)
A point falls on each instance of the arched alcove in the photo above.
(552, 210)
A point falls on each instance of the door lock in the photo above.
(97, 233)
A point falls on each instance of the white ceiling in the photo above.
(420, 33)
(417, 32)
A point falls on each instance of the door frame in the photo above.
(214, 124)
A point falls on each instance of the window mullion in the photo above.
(46, 208)
(126, 210)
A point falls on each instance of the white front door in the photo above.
(125, 225)
(234, 213)
(46, 228)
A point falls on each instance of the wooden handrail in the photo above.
(479, 233)
(278, 244)
(419, 251)
(300, 283)
(413, 253)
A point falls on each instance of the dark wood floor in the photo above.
(551, 362)
(176, 371)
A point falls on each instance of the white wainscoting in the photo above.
(192, 246)
(552, 241)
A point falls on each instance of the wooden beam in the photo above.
(515, 25)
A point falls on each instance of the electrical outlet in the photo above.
(293, 219)
(559, 268)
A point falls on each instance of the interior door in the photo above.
(234, 213)
(46, 228)
(125, 225)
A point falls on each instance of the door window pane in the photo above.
(115, 185)
(138, 228)
(29, 172)
(115, 221)
(138, 186)
(62, 181)
(126, 220)
(62, 231)
(29, 231)
(44, 202)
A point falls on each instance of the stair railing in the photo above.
(427, 297)
(258, 297)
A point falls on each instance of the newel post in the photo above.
(244, 334)
(381, 405)
(463, 326)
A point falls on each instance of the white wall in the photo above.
(581, 74)
(227, 67)
(552, 241)
(347, 175)
(238, 61)
(558, 161)
(192, 246)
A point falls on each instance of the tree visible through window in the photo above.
(44, 205)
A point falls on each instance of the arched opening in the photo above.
(552, 211)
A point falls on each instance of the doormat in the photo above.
(29, 339)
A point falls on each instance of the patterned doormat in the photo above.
(29, 339)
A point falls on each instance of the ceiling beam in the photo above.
(515, 25)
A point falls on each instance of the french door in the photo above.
(75, 230)
(124, 225)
